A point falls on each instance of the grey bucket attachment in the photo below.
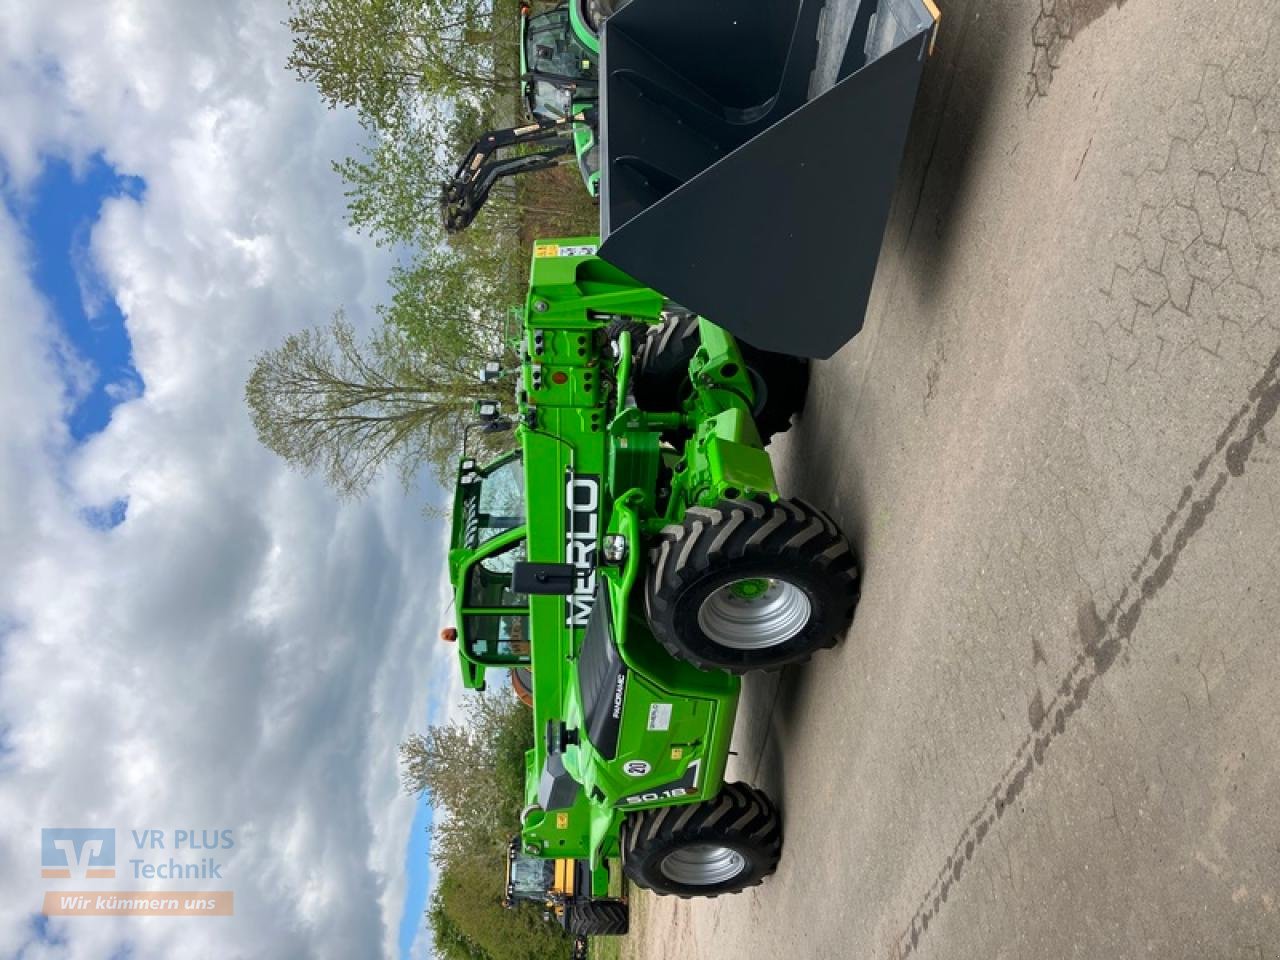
(730, 190)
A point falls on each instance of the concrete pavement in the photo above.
(1052, 730)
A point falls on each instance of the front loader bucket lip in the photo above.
(770, 227)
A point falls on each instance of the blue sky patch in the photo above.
(108, 516)
(40, 935)
(416, 866)
(58, 219)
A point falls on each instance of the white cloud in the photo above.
(93, 294)
(122, 391)
(242, 652)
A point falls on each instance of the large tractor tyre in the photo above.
(595, 12)
(662, 374)
(750, 585)
(598, 918)
(662, 363)
(638, 329)
(717, 846)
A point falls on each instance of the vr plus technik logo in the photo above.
(78, 853)
(169, 857)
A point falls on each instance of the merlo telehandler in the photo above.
(636, 556)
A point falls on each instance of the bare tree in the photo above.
(325, 403)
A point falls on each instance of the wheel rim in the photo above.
(703, 865)
(754, 613)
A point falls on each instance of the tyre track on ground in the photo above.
(1103, 638)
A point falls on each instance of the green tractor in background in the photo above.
(636, 555)
(559, 69)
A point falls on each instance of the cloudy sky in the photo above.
(192, 636)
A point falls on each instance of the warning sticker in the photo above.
(545, 250)
(660, 716)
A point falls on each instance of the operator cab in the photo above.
(551, 49)
(491, 528)
(559, 69)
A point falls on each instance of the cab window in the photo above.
(551, 48)
(489, 582)
(495, 502)
(531, 877)
(502, 498)
(497, 638)
(550, 101)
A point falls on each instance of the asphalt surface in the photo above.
(1052, 730)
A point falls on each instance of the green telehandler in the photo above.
(636, 556)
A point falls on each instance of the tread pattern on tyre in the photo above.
(739, 814)
(712, 540)
(599, 918)
(638, 329)
(662, 362)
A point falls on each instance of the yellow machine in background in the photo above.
(568, 890)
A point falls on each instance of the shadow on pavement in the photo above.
(781, 699)
(948, 131)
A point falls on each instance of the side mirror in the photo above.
(556, 579)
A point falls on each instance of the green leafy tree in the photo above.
(377, 56)
(393, 188)
(325, 402)
(456, 307)
(393, 191)
(450, 942)
(470, 897)
(474, 768)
